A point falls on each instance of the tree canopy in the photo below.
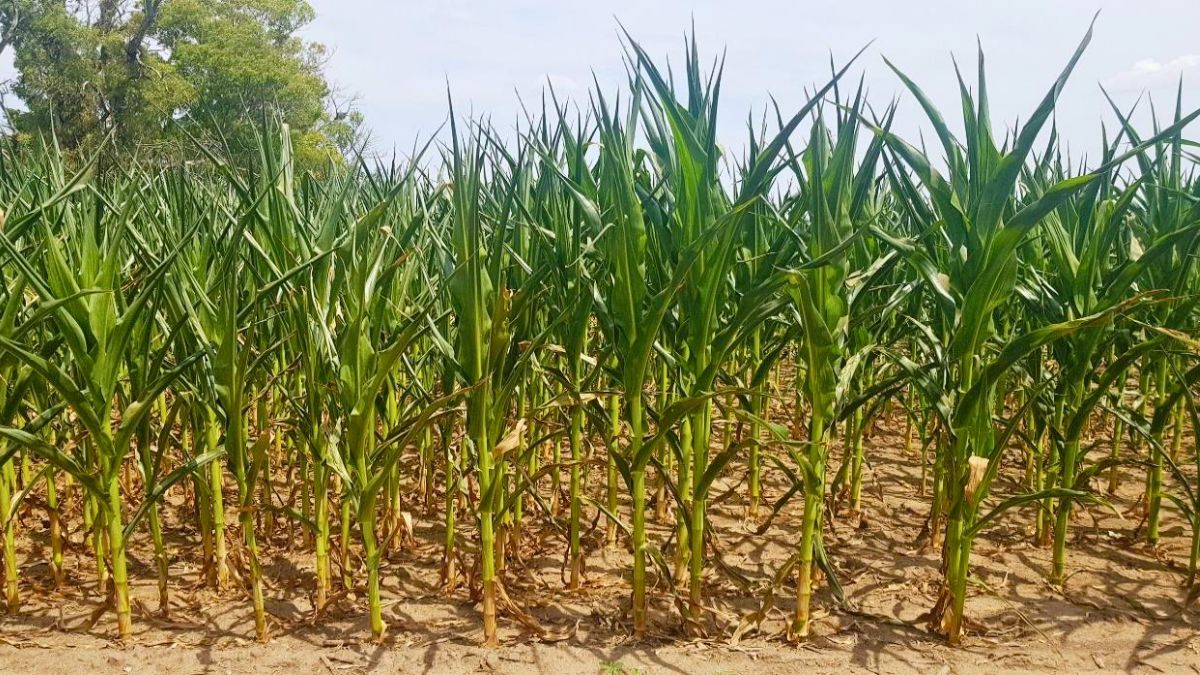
(152, 73)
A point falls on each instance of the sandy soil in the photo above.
(1122, 609)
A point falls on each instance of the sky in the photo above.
(397, 56)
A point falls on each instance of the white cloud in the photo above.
(399, 55)
(1150, 74)
(562, 84)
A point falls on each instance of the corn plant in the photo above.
(80, 279)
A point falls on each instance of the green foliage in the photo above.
(151, 73)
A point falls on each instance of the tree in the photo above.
(151, 73)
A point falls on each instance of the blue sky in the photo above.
(396, 56)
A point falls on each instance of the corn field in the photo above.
(583, 326)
